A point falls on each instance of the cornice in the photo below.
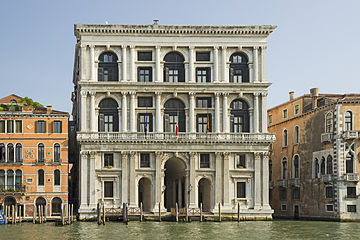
(116, 29)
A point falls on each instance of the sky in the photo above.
(316, 43)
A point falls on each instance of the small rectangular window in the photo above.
(329, 208)
(203, 102)
(18, 126)
(144, 74)
(285, 113)
(108, 189)
(202, 56)
(351, 208)
(204, 160)
(145, 160)
(241, 190)
(282, 193)
(297, 109)
(240, 161)
(351, 192)
(203, 75)
(57, 128)
(270, 118)
(283, 207)
(145, 102)
(40, 126)
(329, 192)
(145, 56)
(203, 123)
(109, 160)
(2, 126)
(10, 126)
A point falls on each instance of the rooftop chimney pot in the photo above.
(291, 95)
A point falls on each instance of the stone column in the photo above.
(265, 180)
(124, 63)
(256, 112)
(191, 112)
(157, 64)
(179, 192)
(83, 62)
(124, 177)
(132, 63)
(225, 114)
(83, 178)
(191, 65)
(159, 127)
(224, 73)
(256, 65)
(83, 120)
(251, 116)
(192, 167)
(226, 179)
(257, 179)
(124, 112)
(92, 180)
(218, 179)
(217, 112)
(132, 182)
(264, 112)
(186, 188)
(157, 185)
(92, 63)
(263, 64)
(132, 112)
(216, 63)
(92, 112)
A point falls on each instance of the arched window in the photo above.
(41, 177)
(174, 116)
(270, 170)
(40, 201)
(285, 138)
(316, 168)
(329, 122)
(108, 116)
(174, 70)
(2, 152)
(296, 135)
(41, 153)
(2, 179)
(348, 121)
(10, 152)
(56, 206)
(329, 165)
(322, 166)
(239, 70)
(349, 163)
(57, 177)
(296, 166)
(56, 153)
(18, 153)
(239, 118)
(284, 168)
(18, 180)
(10, 179)
(108, 67)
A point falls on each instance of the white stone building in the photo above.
(136, 84)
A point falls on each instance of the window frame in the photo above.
(241, 194)
(141, 77)
(57, 153)
(41, 177)
(40, 126)
(201, 126)
(142, 58)
(203, 73)
(145, 160)
(108, 160)
(57, 179)
(204, 160)
(240, 161)
(285, 113)
(107, 196)
(143, 102)
(57, 126)
(329, 192)
(200, 56)
(348, 121)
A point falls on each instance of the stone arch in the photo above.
(145, 193)
(245, 51)
(205, 193)
(41, 201)
(101, 97)
(56, 203)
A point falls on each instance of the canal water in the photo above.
(282, 230)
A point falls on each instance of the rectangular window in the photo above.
(18, 126)
(283, 207)
(240, 190)
(108, 123)
(203, 102)
(203, 56)
(203, 123)
(145, 121)
(285, 113)
(145, 102)
(172, 119)
(329, 207)
(108, 189)
(144, 74)
(240, 161)
(297, 109)
(270, 118)
(40, 126)
(329, 192)
(145, 160)
(351, 192)
(145, 56)
(237, 124)
(282, 193)
(351, 208)
(203, 75)
(57, 128)
(296, 193)
(204, 160)
(2, 126)
(173, 75)
(10, 126)
(108, 160)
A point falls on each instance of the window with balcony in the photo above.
(10, 152)
(203, 102)
(108, 67)
(296, 166)
(285, 138)
(203, 75)
(239, 70)
(2, 126)
(202, 56)
(349, 163)
(10, 179)
(174, 116)
(351, 192)
(57, 153)
(144, 160)
(18, 179)
(57, 126)
(144, 56)
(108, 160)
(41, 153)
(240, 161)
(329, 122)
(145, 102)
(239, 116)
(241, 190)
(329, 192)
(145, 122)
(174, 69)
(18, 153)
(108, 116)
(57, 177)
(296, 134)
(144, 74)
(204, 160)
(108, 189)
(41, 177)
(329, 165)
(203, 123)
(284, 168)
(282, 193)
(348, 121)
(40, 126)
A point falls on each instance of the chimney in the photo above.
(291, 95)
(314, 92)
(48, 109)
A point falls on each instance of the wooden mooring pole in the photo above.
(219, 212)
(177, 212)
(186, 214)
(63, 214)
(34, 212)
(6, 214)
(99, 213)
(19, 213)
(13, 220)
(159, 212)
(141, 211)
(238, 213)
(104, 216)
(201, 211)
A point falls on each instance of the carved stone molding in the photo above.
(83, 93)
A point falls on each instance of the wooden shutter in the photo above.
(231, 79)
(166, 74)
(100, 74)
(101, 122)
(138, 122)
(208, 75)
(210, 122)
(231, 123)
(36, 127)
(197, 123)
(150, 125)
(167, 122)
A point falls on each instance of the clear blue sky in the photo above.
(316, 44)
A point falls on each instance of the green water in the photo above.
(195, 230)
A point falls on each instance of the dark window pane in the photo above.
(144, 74)
(351, 208)
(57, 127)
(41, 177)
(2, 126)
(204, 161)
(108, 160)
(108, 189)
(240, 161)
(241, 190)
(57, 177)
(144, 160)
(203, 102)
(144, 56)
(351, 192)
(18, 126)
(40, 126)
(202, 56)
(203, 75)
(145, 102)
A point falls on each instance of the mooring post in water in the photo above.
(176, 212)
(6, 214)
(19, 213)
(34, 212)
(13, 215)
(41, 213)
(72, 213)
(201, 211)
(186, 214)
(141, 211)
(159, 212)
(63, 214)
(219, 212)
(238, 217)
(104, 217)
(45, 212)
(68, 213)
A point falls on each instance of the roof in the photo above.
(9, 98)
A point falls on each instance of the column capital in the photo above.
(226, 154)
(92, 93)
(217, 94)
(83, 93)
(264, 94)
(92, 154)
(132, 93)
(124, 46)
(191, 47)
(240, 94)
(223, 47)
(124, 93)
(216, 47)
(84, 153)
(108, 47)
(124, 153)
(256, 94)
(240, 48)
(257, 155)
(175, 94)
(264, 47)
(225, 94)
(192, 154)
(157, 47)
(266, 154)
(256, 48)
(218, 154)
(92, 46)
(132, 46)
(191, 94)
(83, 45)
(158, 93)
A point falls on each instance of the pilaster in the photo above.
(92, 112)
(83, 121)
(192, 167)
(124, 177)
(263, 64)
(191, 65)
(257, 178)
(217, 112)
(132, 112)
(124, 112)
(124, 63)
(264, 112)
(216, 64)
(132, 63)
(157, 64)
(256, 64)
(224, 72)
(159, 125)
(92, 63)
(191, 112)
(225, 113)
(256, 112)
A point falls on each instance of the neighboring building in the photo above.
(172, 114)
(314, 162)
(33, 157)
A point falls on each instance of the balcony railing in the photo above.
(295, 182)
(11, 163)
(282, 183)
(18, 188)
(352, 177)
(327, 178)
(222, 137)
(350, 135)
(327, 137)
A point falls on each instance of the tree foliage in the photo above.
(29, 102)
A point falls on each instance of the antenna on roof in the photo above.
(156, 21)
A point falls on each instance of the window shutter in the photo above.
(36, 127)
(100, 74)
(208, 75)
(60, 123)
(150, 122)
(210, 122)
(231, 123)
(44, 127)
(138, 122)
(167, 122)
(166, 74)
(101, 123)
(231, 75)
(197, 123)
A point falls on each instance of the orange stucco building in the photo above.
(34, 162)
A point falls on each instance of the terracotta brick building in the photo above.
(314, 167)
(33, 157)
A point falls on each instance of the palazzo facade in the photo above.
(172, 114)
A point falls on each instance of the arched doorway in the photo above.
(204, 194)
(56, 206)
(9, 201)
(174, 183)
(145, 194)
(40, 201)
